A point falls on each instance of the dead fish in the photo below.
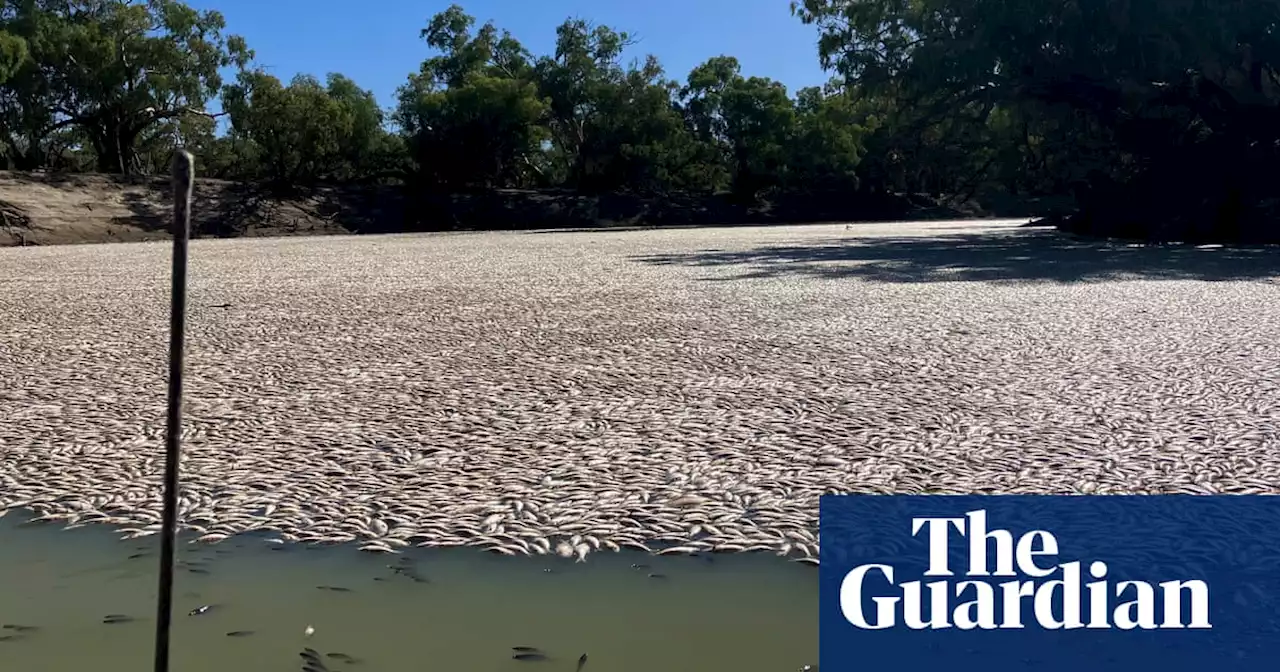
(117, 618)
(240, 633)
(19, 628)
(410, 574)
(530, 656)
(582, 660)
(200, 610)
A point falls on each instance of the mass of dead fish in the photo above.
(483, 391)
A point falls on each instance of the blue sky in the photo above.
(376, 42)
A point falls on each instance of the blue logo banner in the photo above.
(1049, 583)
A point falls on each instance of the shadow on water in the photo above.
(1024, 254)
(85, 600)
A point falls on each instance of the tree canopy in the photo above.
(1153, 118)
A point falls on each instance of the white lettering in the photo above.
(851, 599)
(938, 565)
(1027, 552)
(1145, 616)
(1058, 603)
(1173, 604)
(1070, 587)
(981, 611)
(978, 537)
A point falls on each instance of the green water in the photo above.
(466, 612)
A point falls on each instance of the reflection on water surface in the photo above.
(457, 609)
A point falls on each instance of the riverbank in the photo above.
(56, 209)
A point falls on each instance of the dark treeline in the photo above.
(1147, 118)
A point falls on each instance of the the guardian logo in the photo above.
(1061, 602)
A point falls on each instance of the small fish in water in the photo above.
(20, 628)
(117, 618)
(314, 666)
(524, 648)
(582, 660)
(336, 589)
(311, 655)
(547, 570)
(308, 632)
(200, 610)
(657, 576)
(635, 566)
(135, 556)
(197, 570)
(342, 657)
(8, 638)
(530, 656)
(240, 633)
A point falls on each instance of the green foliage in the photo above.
(827, 145)
(114, 69)
(1169, 107)
(471, 115)
(13, 53)
(1159, 116)
(482, 134)
(305, 132)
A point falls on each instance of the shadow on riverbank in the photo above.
(1025, 254)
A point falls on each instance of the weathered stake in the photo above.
(183, 183)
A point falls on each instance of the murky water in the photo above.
(437, 610)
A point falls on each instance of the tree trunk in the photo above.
(114, 146)
(25, 159)
(31, 159)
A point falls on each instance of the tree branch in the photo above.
(178, 112)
